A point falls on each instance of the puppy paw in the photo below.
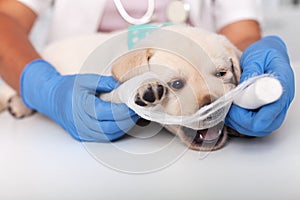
(150, 94)
(17, 108)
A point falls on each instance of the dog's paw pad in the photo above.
(150, 94)
(139, 101)
(160, 91)
(17, 108)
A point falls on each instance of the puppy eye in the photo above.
(220, 74)
(177, 84)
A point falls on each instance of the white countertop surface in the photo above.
(40, 161)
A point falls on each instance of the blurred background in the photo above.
(282, 17)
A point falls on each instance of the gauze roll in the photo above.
(264, 91)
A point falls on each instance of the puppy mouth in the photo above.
(205, 139)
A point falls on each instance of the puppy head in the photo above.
(184, 88)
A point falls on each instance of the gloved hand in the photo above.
(268, 55)
(71, 101)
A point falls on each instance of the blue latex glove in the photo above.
(71, 101)
(268, 55)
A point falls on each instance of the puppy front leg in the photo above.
(112, 96)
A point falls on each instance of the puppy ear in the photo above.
(131, 64)
(235, 55)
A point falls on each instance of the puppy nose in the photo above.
(208, 99)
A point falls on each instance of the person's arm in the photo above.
(70, 100)
(16, 50)
(242, 33)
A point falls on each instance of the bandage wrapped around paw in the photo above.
(176, 43)
(251, 94)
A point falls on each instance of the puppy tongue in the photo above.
(208, 134)
(211, 133)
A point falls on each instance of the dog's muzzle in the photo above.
(205, 137)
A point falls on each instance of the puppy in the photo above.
(183, 87)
